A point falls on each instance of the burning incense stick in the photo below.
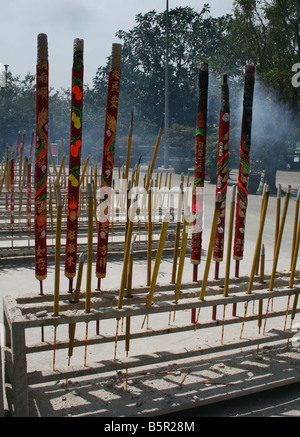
(222, 172)
(74, 161)
(200, 152)
(108, 154)
(244, 166)
(41, 161)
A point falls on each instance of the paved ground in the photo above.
(19, 281)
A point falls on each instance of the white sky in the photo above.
(95, 21)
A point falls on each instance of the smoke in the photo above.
(273, 128)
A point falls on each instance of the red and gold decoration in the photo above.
(29, 184)
(74, 159)
(199, 166)
(41, 161)
(244, 166)
(222, 171)
(108, 158)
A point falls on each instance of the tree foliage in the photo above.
(262, 32)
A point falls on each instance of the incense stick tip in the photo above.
(42, 50)
(78, 48)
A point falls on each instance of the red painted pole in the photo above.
(74, 161)
(199, 176)
(222, 176)
(41, 160)
(244, 167)
(108, 159)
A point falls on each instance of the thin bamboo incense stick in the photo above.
(177, 235)
(89, 261)
(163, 234)
(277, 219)
(59, 206)
(57, 264)
(149, 246)
(259, 240)
(295, 226)
(181, 259)
(295, 256)
(210, 247)
(72, 327)
(129, 147)
(155, 153)
(280, 233)
(229, 242)
(84, 171)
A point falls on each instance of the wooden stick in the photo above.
(149, 246)
(294, 257)
(60, 169)
(184, 239)
(57, 264)
(159, 252)
(72, 326)
(126, 259)
(84, 171)
(129, 147)
(210, 247)
(89, 262)
(177, 235)
(259, 239)
(155, 153)
(280, 233)
(277, 220)
(89, 248)
(52, 159)
(59, 206)
(229, 242)
(262, 265)
(295, 227)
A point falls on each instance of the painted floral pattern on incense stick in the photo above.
(74, 160)
(108, 159)
(41, 158)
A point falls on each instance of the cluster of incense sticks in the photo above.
(75, 193)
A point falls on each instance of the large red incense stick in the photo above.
(29, 185)
(12, 193)
(108, 158)
(17, 145)
(74, 161)
(41, 161)
(222, 172)
(244, 167)
(200, 151)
